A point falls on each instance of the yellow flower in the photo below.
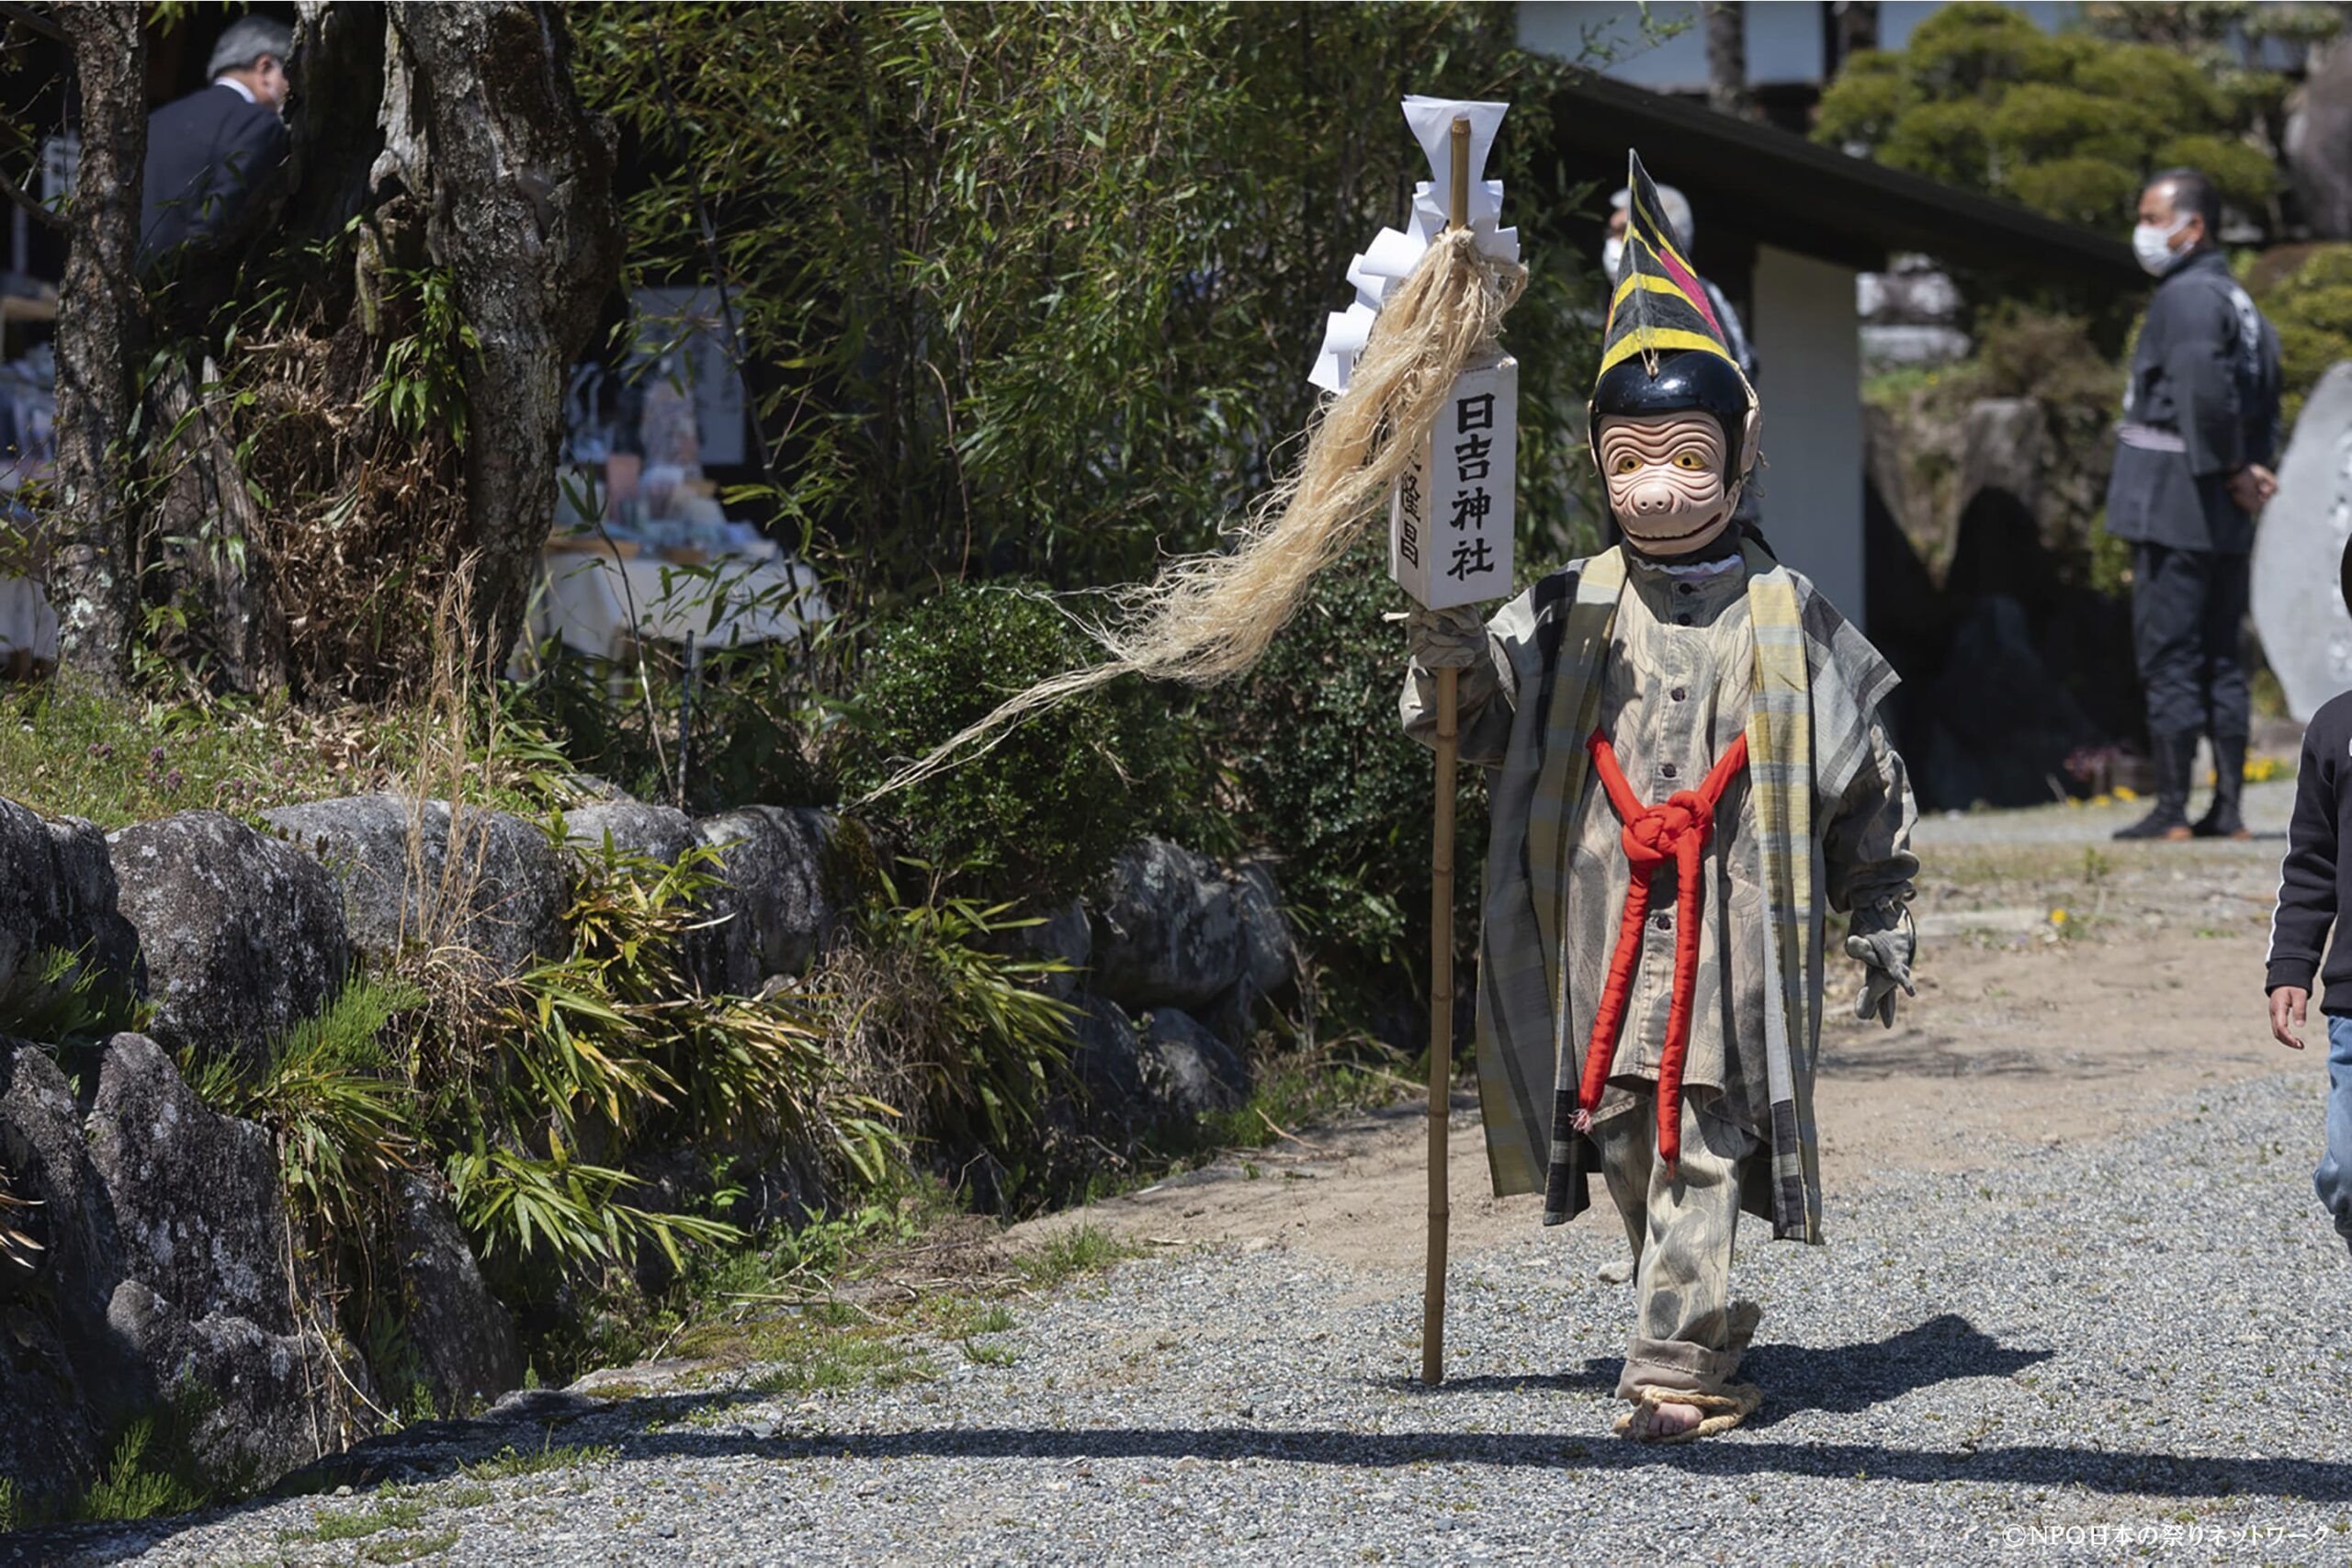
(2123, 792)
(2057, 917)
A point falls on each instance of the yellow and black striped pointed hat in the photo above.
(1658, 306)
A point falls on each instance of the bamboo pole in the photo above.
(1441, 928)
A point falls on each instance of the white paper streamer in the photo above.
(1394, 252)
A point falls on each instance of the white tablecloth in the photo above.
(593, 599)
(26, 619)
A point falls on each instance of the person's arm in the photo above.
(2199, 359)
(2298, 927)
(1486, 691)
(1866, 854)
(251, 149)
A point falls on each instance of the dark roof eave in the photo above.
(1815, 200)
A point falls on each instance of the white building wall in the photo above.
(1808, 343)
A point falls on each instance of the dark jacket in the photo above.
(205, 155)
(2202, 403)
(2315, 879)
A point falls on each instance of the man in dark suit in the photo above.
(2200, 428)
(207, 153)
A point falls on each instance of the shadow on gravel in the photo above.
(1843, 1379)
(2038, 1465)
(1850, 1378)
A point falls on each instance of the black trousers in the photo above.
(2188, 611)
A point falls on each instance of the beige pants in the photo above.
(1689, 1335)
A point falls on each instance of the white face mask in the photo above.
(1612, 250)
(2153, 246)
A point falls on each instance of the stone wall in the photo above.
(162, 1276)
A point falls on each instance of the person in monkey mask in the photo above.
(1689, 772)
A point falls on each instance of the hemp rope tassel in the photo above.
(1210, 617)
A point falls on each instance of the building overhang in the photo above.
(1800, 196)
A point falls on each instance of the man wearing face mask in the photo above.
(2199, 429)
(1690, 770)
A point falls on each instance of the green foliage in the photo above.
(2312, 308)
(617, 1045)
(1046, 809)
(422, 388)
(56, 1002)
(135, 1484)
(510, 1461)
(1054, 308)
(2071, 125)
(332, 1096)
(1331, 787)
(1069, 1254)
(929, 1012)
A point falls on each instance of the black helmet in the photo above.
(1688, 381)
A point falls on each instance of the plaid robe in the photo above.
(1812, 736)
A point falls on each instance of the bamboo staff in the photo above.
(1442, 930)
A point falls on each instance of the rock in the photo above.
(1063, 934)
(163, 1290)
(241, 1405)
(655, 833)
(1106, 1060)
(65, 1389)
(1270, 951)
(774, 860)
(2002, 449)
(194, 1194)
(1167, 929)
(2297, 596)
(462, 1340)
(242, 936)
(57, 891)
(1616, 1271)
(1187, 1071)
(411, 873)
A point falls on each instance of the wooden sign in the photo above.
(1451, 519)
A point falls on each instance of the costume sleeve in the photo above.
(1866, 849)
(2200, 345)
(2307, 877)
(1487, 695)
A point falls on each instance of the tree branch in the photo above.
(18, 197)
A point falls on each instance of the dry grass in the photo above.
(353, 537)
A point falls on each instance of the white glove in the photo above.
(1441, 639)
(1886, 963)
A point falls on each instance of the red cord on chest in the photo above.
(1673, 832)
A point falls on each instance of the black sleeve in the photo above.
(2200, 336)
(251, 148)
(2307, 877)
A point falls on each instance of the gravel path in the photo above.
(2129, 1347)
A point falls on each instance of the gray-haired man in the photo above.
(207, 152)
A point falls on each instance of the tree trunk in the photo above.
(522, 214)
(437, 152)
(1853, 27)
(1727, 62)
(94, 577)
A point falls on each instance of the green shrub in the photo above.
(2312, 308)
(927, 1012)
(1333, 790)
(1045, 810)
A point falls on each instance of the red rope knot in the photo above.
(1674, 832)
(1659, 834)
